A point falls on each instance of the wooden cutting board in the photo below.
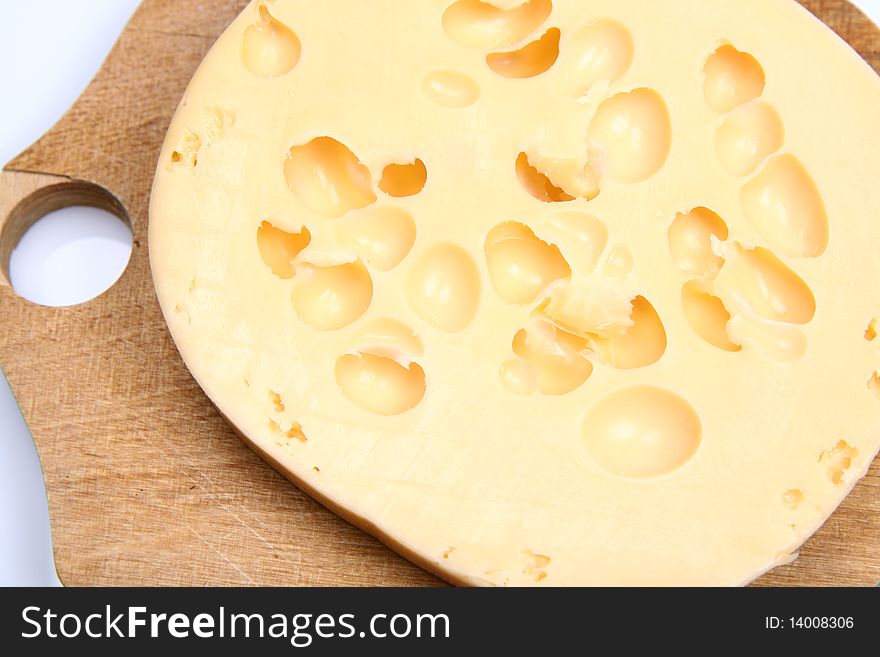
(147, 485)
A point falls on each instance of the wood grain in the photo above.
(147, 485)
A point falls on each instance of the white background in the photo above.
(49, 50)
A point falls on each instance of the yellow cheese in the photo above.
(540, 292)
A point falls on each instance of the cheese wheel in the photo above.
(538, 292)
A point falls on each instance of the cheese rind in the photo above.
(617, 329)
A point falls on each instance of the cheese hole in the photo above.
(294, 432)
(389, 337)
(65, 244)
(401, 180)
(594, 307)
(838, 460)
(731, 78)
(555, 355)
(518, 376)
(769, 287)
(269, 48)
(783, 203)
(521, 267)
(532, 561)
(871, 331)
(279, 249)
(531, 60)
(874, 384)
(747, 137)
(329, 298)
(785, 343)
(443, 287)
(574, 176)
(690, 241)
(638, 345)
(641, 432)
(484, 25)
(187, 151)
(600, 51)
(581, 237)
(538, 184)
(328, 178)
(451, 89)
(792, 498)
(534, 565)
(633, 134)
(382, 236)
(277, 402)
(380, 385)
(707, 316)
(508, 230)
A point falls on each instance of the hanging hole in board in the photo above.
(65, 244)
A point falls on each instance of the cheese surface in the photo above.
(541, 293)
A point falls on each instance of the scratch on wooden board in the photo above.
(175, 35)
(216, 499)
(123, 187)
(222, 556)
